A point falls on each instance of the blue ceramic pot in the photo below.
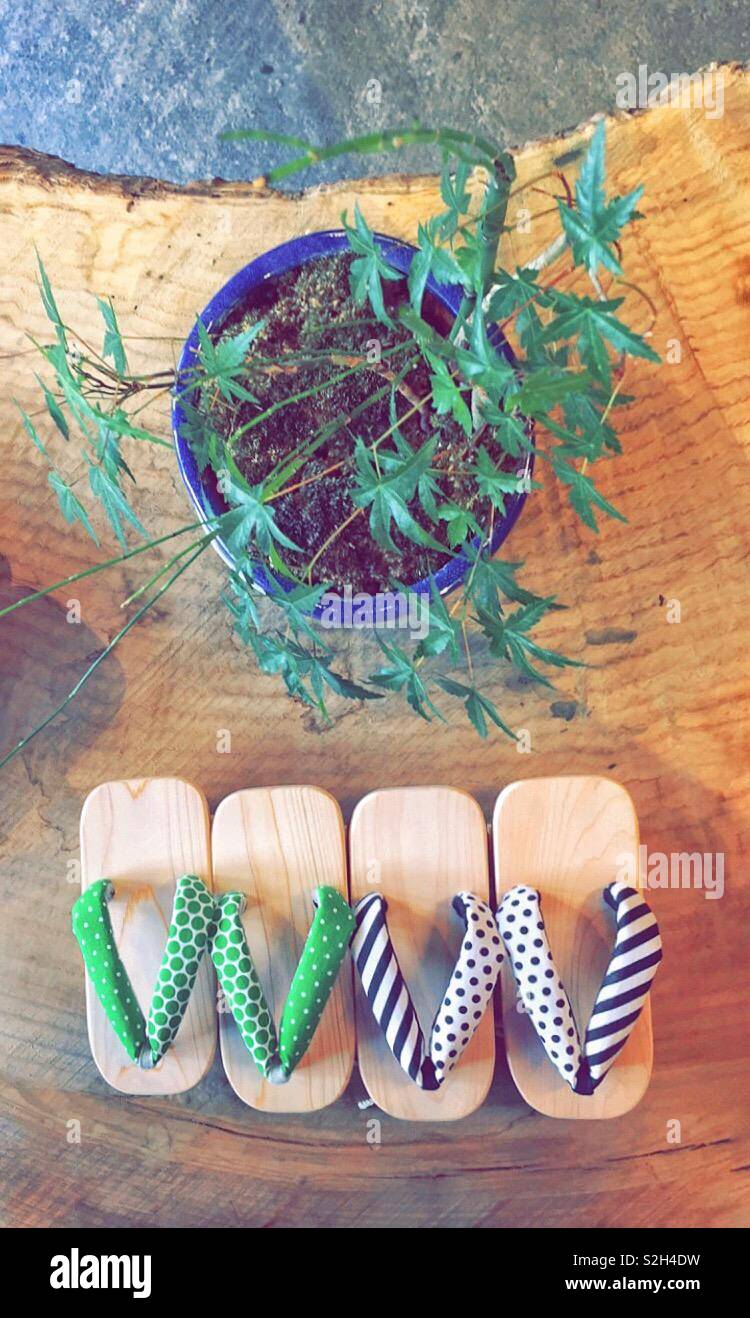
(203, 489)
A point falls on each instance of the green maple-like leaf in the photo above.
(401, 674)
(207, 445)
(297, 604)
(592, 325)
(430, 260)
(369, 268)
(251, 522)
(50, 306)
(492, 482)
(583, 495)
(585, 416)
(444, 632)
(511, 431)
(478, 707)
(594, 225)
(544, 388)
(55, 411)
(387, 492)
(490, 578)
(455, 195)
(224, 362)
(511, 292)
(508, 638)
(114, 503)
(481, 365)
(242, 604)
(461, 522)
(113, 346)
(427, 489)
(71, 507)
(447, 398)
(32, 432)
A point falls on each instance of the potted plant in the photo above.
(358, 423)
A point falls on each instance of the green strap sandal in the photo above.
(276, 1056)
(272, 849)
(190, 933)
(138, 835)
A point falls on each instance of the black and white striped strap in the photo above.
(465, 1000)
(386, 991)
(625, 987)
(635, 957)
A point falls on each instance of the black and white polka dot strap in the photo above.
(540, 989)
(625, 987)
(465, 1001)
(471, 984)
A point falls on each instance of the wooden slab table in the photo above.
(663, 706)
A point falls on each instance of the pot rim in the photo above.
(276, 261)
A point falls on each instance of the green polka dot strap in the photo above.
(324, 950)
(93, 929)
(189, 938)
(190, 933)
(326, 946)
(240, 984)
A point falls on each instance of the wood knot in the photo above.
(743, 290)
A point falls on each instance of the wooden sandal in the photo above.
(279, 854)
(415, 853)
(144, 922)
(560, 847)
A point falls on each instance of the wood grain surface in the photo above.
(569, 838)
(144, 835)
(277, 846)
(418, 847)
(662, 706)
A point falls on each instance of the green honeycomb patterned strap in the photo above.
(93, 929)
(189, 936)
(240, 984)
(325, 949)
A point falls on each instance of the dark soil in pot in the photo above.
(310, 309)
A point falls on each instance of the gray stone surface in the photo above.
(146, 86)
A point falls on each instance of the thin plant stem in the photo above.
(483, 151)
(314, 389)
(467, 650)
(161, 571)
(101, 657)
(328, 542)
(98, 567)
(292, 462)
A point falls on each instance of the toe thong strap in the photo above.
(540, 988)
(325, 948)
(471, 984)
(190, 931)
(385, 989)
(93, 930)
(240, 985)
(465, 1000)
(625, 987)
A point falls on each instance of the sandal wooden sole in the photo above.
(568, 837)
(276, 845)
(143, 834)
(418, 847)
